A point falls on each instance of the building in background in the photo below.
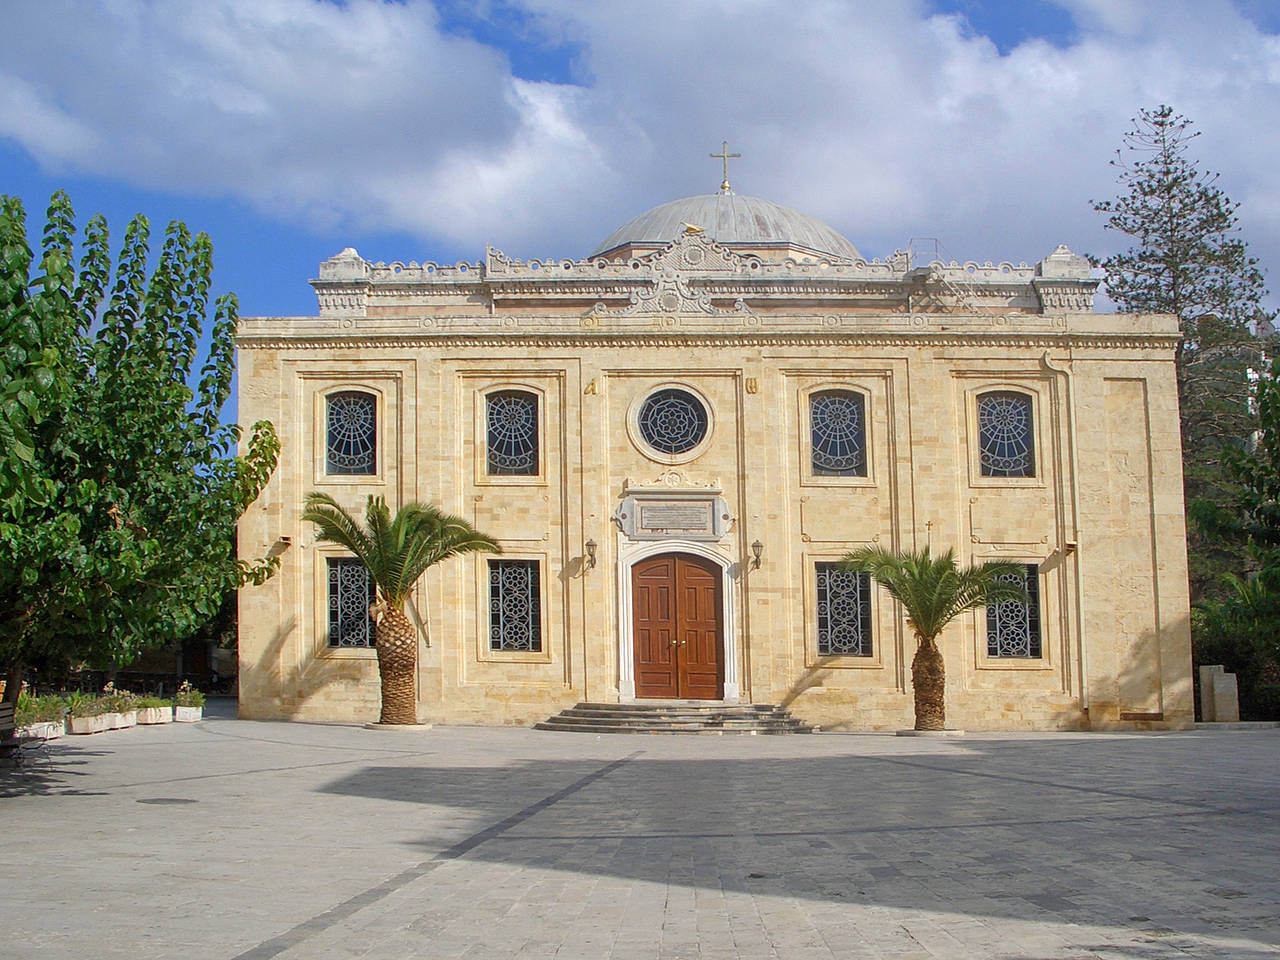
(676, 437)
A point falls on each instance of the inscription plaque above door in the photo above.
(673, 508)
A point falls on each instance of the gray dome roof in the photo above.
(729, 218)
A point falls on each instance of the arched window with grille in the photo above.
(511, 433)
(838, 433)
(351, 434)
(1006, 435)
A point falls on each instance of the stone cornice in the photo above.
(757, 338)
(700, 267)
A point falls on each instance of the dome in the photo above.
(729, 218)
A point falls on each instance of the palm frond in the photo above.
(336, 525)
(934, 591)
(395, 550)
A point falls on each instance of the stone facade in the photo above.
(752, 331)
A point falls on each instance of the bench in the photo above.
(8, 732)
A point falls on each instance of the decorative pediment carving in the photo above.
(671, 479)
(698, 253)
(670, 295)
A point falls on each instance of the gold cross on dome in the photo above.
(726, 156)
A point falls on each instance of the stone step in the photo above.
(597, 710)
(691, 730)
(682, 716)
(676, 715)
(648, 706)
(686, 709)
(780, 722)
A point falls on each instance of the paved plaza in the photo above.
(234, 839)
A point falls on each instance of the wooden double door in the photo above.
(678, 634)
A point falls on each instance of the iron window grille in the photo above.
(844, 611)
(351, 593)
(511, 418)
(1006, 435)
(1013, 628)
(838, 432)
(351, 434)
(515, 606)
(673, 421)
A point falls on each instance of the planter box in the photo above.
(111, 721)
(187, 714)
(44, 730)
(128, 719)
(79, 725)
(149, 715)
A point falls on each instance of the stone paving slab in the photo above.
(236, 839)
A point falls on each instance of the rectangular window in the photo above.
(515, 605)
(844, 611)
(351, 594)
(1013, 628)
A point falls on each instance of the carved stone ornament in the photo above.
(673, 507)
(672, 479)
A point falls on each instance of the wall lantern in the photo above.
(591, 555)
(757, 548)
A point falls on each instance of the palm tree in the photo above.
(396, 553)
(934, 591)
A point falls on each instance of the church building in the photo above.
(676, 437)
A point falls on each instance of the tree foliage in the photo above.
(396, 552)
(934, 591)
(1241, 630)
(1187, 258)
(119, 486)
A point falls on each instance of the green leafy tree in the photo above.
(934, 591)
(1188, 259)
(119, 486)
(396, 552)
(1255, 511)
(1242, 629)
(1242, 632)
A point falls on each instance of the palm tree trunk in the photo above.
(929, 681)
(397, 661)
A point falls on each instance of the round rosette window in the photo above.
(673, 423)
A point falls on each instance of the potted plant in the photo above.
(41, 718)
(154, 710)
(188, 703)
(120, 710)
(85, 712)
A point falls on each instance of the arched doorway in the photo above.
(678, 630)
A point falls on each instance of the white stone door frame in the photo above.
(629, 554)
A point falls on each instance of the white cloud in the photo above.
(877, 117)
(26, 116)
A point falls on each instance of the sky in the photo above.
(418, 130)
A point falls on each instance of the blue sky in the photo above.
(289, 129)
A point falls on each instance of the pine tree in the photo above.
(1188, 259)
